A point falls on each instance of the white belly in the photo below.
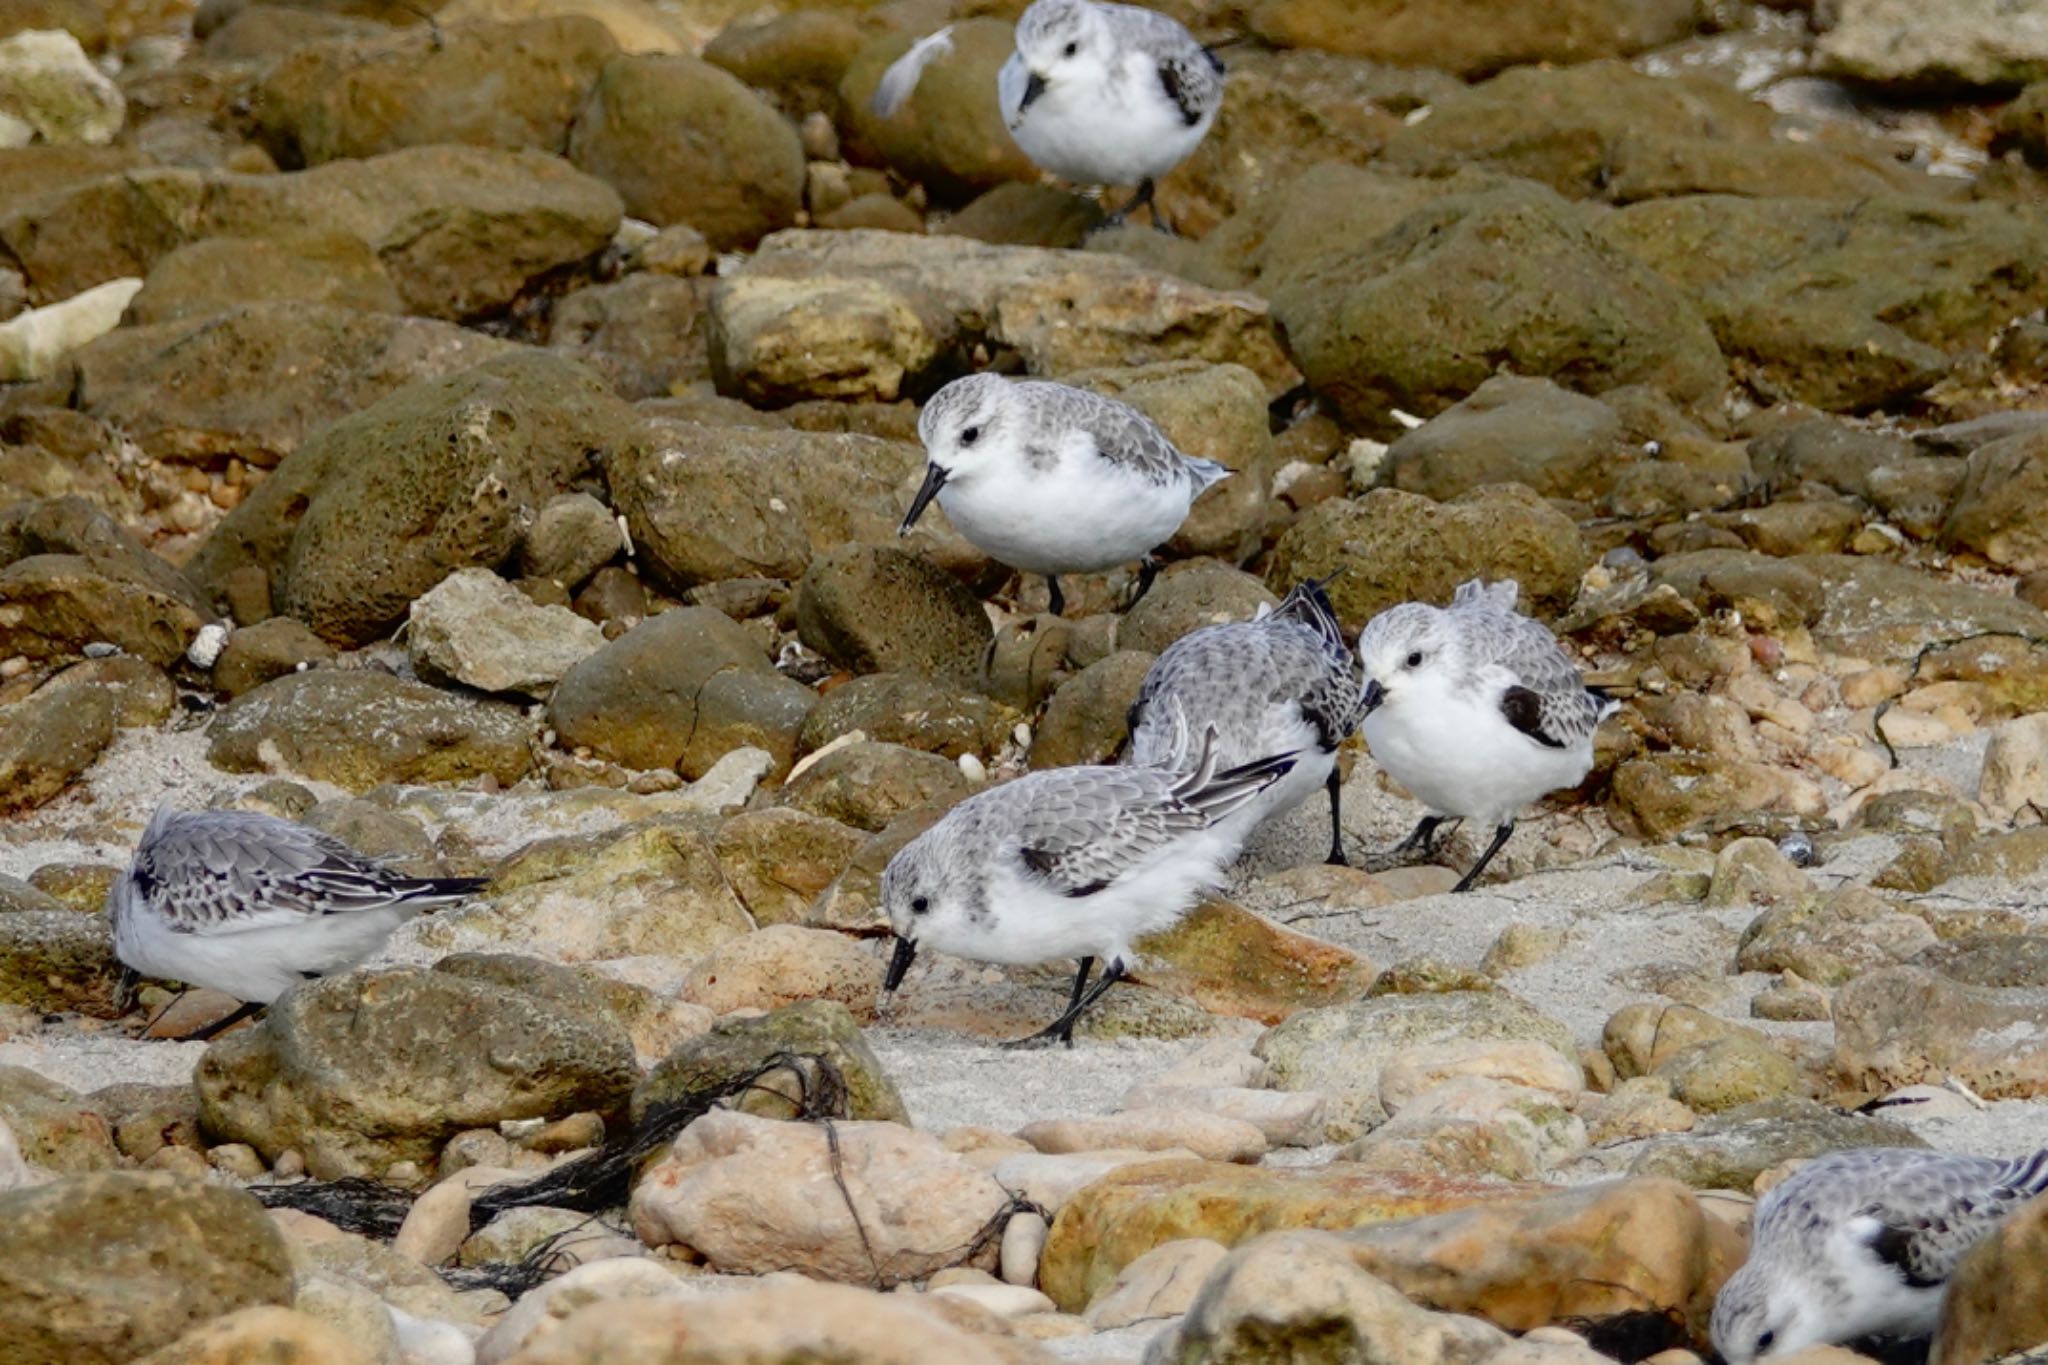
(1080, 517)
(1114, 134)
(257, 964)
(1463, 759)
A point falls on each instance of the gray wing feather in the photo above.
(1094, 824)
(1529, 652)
(1123, 435)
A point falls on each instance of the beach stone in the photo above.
(867, 785)
(706, 504)
(461, 230)
(1050, 1180)
(1640, 1038)
(512, 85)
(680, 690)
(1087, 720)
(475, 628)
(684, 142)
(18, 896)
(541, 1311)
(516, 1233)
(2001, 480)
(2015, 773)
(71, 576)
(796, 1321)
(102, 1268)
(253, 380)
(1828, 939)
(1126, 1213)
(1467, 37)
(58, 960)
(1596, 1252)
(779, 860)
(1970, 44)
(1403, 547)
(269, 649)
(910, 709)
(1997, 1299)
(53, 1126)
(876, 608)
(1234, 962)
(1728, 1073)
(1514, 429)
(1881, 337)
(948, 136)
(2015, 856)
(1300, 1295)
(1209, 1136)
(1728, 1151)
(1342, 1050)
(350, 1308)
(1770, 590)
(1906, 1025)
(1284, 1119)
(573, 536)
(1163, 1283)
(1990, 959)
(874, 1202)
(214, 274)
(734, 1048)
(1474, 1125)
(655, 889)
(1572, 306)
(647, 335)
(48, 83)
(268, 1335)
(783, 964)
(49, 740)
(1661, 795)
(1519, 1062)
(361, 727)
(1752, 871)
(1186, 598)
(362, 1071)
(1639, 1107)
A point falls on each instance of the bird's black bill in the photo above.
(934, 480)
(906, 949)
(1374, 695)
(1033, 88)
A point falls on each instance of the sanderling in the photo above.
(1476, 710)
(251, 905)
(1070, 862)
(1861, 1244)
(1283, 681)
(1098, 94)
(1051, 479)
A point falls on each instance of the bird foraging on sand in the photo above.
(1051, 479)
(251, 905)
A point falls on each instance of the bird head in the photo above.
(962, 429)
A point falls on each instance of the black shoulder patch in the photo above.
(1039, 861)
(1215, 59)
(1894, 1246)
(1090, 889)
(1177, 90)
(145, 878)
(1329, 731)
(1524, 710)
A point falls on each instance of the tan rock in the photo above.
(1302, 1296)
(784, 1322)
(868, 1202)
(1640, 1038)
(1905, 1025)
(783, 964)
(436, 1225)
(1050, 1180)
(541, 1311)
(1997, 1301)
(1639, 1107)
(1209, 1136)
(1231, 961)
(1004, 1300)
(1122, 1215)
(1518, 1061)
(1160, 1284)
(1287, 1118)
(1474, 1126)
(1620, 1247)
(2015, 774)
(1023, 1240)
(261, 1336)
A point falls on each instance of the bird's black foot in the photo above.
(1057, 598)
(1062, 1029)
(246, 1010)
(1148, 571)
(1500, 836)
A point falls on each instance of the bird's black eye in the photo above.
(970, 436)
(1072, 48)
(920, 904)
(1415, 659)
(1765, 1342)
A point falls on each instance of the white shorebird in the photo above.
(1476, 710)
(1051, 479)
(1861, 1244)
(1098, 94)
(252, 905)
(1071, 862)
(1282, 682)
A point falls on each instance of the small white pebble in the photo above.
(1021, 733)
(1406, 419)
(972, 769)
(100, 649)
(207, 644)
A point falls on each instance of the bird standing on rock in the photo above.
(1476, 709)
(1098, 94)
(252, 905)
(1051, 479)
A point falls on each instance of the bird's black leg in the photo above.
(1059, 601)
(1148, 570)
(224, 1023)
(1336, 787)
(1142, 199)
(125, 988)
(1062, 1028)
(1500, 836)
(1423, 836)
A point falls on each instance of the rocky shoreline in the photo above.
(483, 438)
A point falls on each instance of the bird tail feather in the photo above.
(1217, 794)
(439, 890)
(2027, 1176)
(1309, 603)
